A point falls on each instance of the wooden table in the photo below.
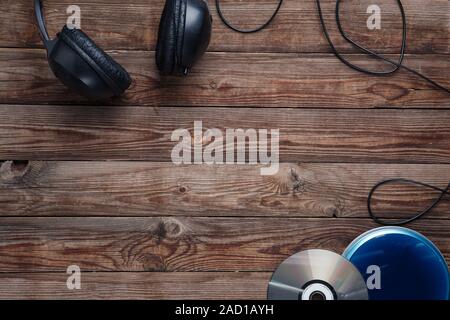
(92, 184)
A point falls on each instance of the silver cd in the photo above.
(317, 275)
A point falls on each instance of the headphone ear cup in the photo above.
(108, 65)
(183, 36)
(170, 34)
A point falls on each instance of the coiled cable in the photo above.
(396, 64)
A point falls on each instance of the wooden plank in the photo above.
(236, 79)
(140, 133)
(133, 25)
(153, 189)
(178, 244)
(137, 285)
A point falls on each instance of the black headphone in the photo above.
(80, 64)
(183, 36)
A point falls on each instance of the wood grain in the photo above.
(238, 79)
(144, 228)
(154, 189)
(178, 244)
(133, 25)
(137, 285)
(140, 133)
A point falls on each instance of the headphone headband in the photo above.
(41, 22)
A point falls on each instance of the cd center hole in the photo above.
(317, 295)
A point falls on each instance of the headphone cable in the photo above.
(396, 65)
(443, 192)
(261, 27)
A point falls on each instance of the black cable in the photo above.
(353, 43)
(229, 25)
(396, 65)
(443, 192)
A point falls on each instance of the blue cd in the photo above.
(399, 264)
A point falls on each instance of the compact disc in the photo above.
(316, 275)
(399, 264)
